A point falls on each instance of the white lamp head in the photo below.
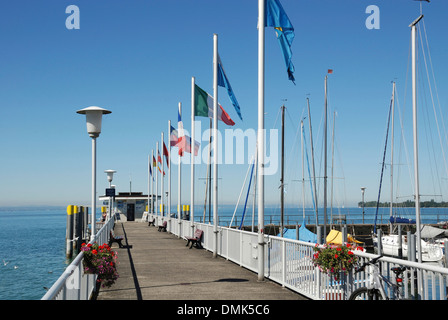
(93, 119)
(110, 174)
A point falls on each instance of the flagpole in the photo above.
(157, 182)
(149, 181)
(260, 190)
(162, 190)
(192, 156)
(179, 167)
(325, 161)
(169, 168)
(215, 143)
(152, 181)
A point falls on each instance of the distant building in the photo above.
(129, 205)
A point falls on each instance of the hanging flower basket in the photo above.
(100, 260)
(334, 260)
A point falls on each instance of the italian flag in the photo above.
(204, 107)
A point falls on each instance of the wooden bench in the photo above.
(114, 238)
(195, 239)
(151, 222)
(163, 226)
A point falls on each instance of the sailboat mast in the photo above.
(303, 170)
(332, 170)
(392, 159)
(414, 118)
(312, 162)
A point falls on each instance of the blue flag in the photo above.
(224, 82)
(276, 17)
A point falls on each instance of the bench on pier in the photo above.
(163, 226)
(114, 238)
(195, 239)
(151, 222)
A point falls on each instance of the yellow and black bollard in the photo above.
(69, 231)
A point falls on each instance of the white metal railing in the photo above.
(74, 284)
(288, 262)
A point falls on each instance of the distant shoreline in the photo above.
(405, 204)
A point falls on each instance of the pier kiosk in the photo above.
(129, 206)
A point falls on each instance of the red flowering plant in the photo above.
(334, 260)
(100, 260)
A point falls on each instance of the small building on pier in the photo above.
(129, 205)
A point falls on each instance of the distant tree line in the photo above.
(407, 204)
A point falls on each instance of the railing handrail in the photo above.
(277, 271)
(60, 283)
(407, 263)
(57, 287)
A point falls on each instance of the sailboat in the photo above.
(391, 244)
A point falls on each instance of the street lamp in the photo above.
(363, 189)
(110, 176)
(93, 120)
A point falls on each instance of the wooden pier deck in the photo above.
(157, 265)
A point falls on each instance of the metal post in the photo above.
(192, 157)
(282, 181)
(215, 144)
(179, 168)
(152, 181)
(169, 168)
(363, 189)
(157, 183)
(162, 175)
(93, 213)
(325, 161)
(260, 138)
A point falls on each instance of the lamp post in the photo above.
(110, 176)
(363, 189)
(93, 119)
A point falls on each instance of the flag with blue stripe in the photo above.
(275, 16)
(224, 82)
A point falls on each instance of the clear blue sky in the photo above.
(136, 58)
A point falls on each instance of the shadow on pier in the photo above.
(155, 265)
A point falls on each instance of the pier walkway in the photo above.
(158, 266)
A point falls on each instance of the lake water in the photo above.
(32, 251)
